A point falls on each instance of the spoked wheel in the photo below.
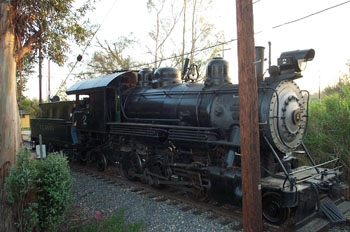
(101, 162)
(198, 195)
(159, 171)
(272, 210)
(131, 165)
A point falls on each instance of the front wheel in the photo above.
(272, 210)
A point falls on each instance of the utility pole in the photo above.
(48, 81)
(319, 87)
(249, 124)
(40, 74)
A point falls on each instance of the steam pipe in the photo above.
(259, 53)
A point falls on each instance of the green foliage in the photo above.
(40, 191)
(48, 25)
(110, 57)
(31, 106)
(115, 223)
(27, 68)
(20, 189)
(329, 127)
(53, 194)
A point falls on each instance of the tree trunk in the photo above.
(10, 133)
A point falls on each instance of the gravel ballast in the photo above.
(92, 194)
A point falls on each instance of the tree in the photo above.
(196, 32)
(163, 28)
(201, 33)
(110, 57)
(31, 106)
(26, 25)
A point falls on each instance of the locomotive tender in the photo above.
(163, 128)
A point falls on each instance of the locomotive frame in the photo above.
(164, 129)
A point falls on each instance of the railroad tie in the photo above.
(198, 212)
(213, 216)
(173, 203)
(162, 199)
(226, 221)
(186, 208)
(135, 190)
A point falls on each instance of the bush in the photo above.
(53, 194)
(20, 189)
(40, 191)
(329, 127)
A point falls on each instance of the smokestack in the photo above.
(259, 52)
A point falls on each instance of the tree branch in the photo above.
(27, 47)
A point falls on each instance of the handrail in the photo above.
(311, 167)
(319, 174)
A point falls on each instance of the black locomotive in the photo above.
(164, 128)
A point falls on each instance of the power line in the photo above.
(88, 44)
(188, 53)
(313, 14)
(232, 40)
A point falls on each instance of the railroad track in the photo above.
(225, 214)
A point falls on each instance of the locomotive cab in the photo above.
(98, 100)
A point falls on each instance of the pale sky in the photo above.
(328, 33)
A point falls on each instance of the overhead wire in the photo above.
(232, 40)
(235, 39)
(86, 46)
(310, 15)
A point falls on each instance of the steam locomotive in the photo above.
(165, 128)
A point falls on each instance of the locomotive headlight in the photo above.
(295, 59)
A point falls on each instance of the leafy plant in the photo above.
(40, 191)
(329, 127)
(20, 188)
(53, 189)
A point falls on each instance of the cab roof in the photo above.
(102, 82)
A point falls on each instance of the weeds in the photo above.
(329, 127)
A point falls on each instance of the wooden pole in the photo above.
(40, 74)
(48, 81)
(249, 124)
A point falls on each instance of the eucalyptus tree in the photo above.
(25, 26)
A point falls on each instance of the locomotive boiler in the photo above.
(164, 128)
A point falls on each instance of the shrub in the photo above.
(20, 189)
(53, 194)
(40, 191)
(329, 127)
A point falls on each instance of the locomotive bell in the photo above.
(217, 72)
(166, 76)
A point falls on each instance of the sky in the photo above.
(328, 33)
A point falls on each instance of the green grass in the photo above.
(115, 223)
